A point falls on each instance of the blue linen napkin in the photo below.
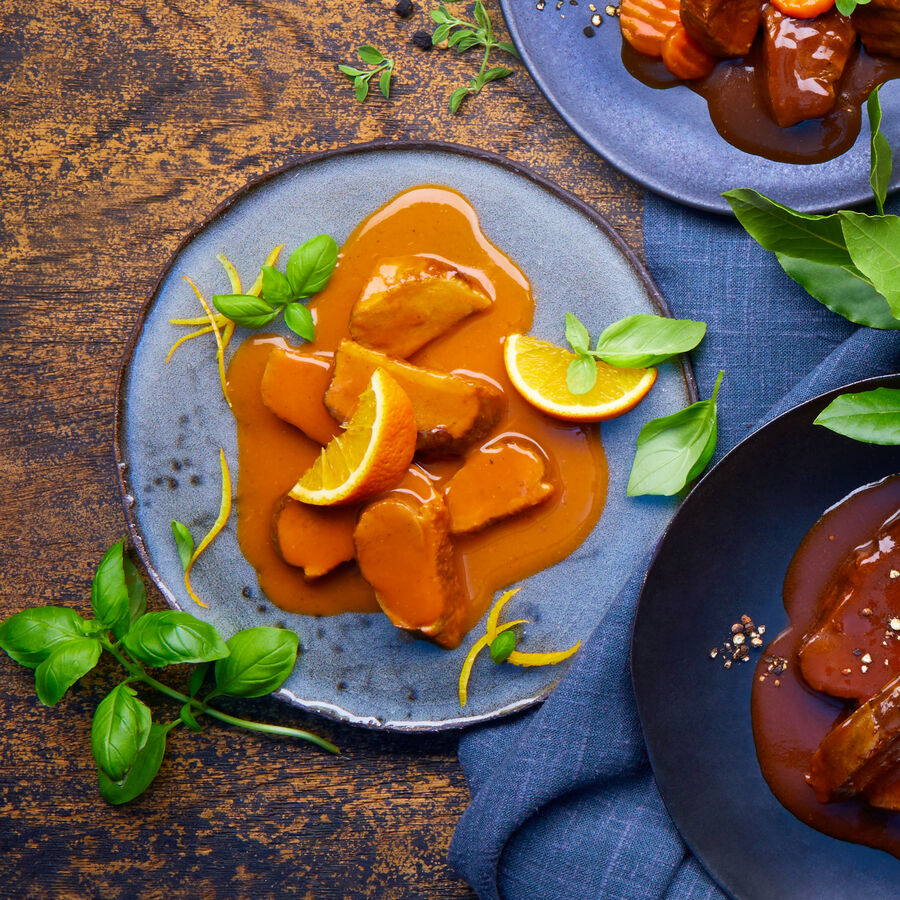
(564, 804)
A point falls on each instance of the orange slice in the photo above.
(538, 368)
(371, 455)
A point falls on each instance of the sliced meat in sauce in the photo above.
(878, 24)
(722, 27)
(845, 653)
(804, 59)
(860, 750)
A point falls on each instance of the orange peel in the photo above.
(220, 347)
(477, 647)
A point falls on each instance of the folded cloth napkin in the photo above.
(564, 804)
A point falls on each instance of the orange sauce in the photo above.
(272, 453)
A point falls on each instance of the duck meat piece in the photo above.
(316, 539)
(861, 749)
(878, 24)
(410, 301)
(803, 62)
(404, 551)
(855, 643)
(452, 412)
(499, 480)
(722, 27)
(885, 792)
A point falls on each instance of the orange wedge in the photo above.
(371, 455)
(538, 368)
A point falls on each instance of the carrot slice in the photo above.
(803, 9)
(645, 23)
(684, 57)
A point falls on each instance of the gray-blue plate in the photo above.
(664, 139)
(172, 420)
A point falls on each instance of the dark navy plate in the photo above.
(664, 139)
(172, 420)
(724, 554)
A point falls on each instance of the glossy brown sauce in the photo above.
(272, 453)
(739, 108)
(790, 720)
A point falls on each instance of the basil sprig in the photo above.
(848, 261)
(869, 416)
(634, 342)
(62, 646)
(673, 450)
(307, 272)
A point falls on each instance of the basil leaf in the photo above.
(846, 7)
(30, 636)
(109, 592)
(350, 72)
(198, 676)
(577, 335)
(384, 84)
(370, 56)
(441, 34)
(880, 154)
(161, 638)
(581, 375)
(187, 716)
(141, 774)
(783, 230)
(137, 598)
(502, 646)
(874, 245)
(457, 97)
(440, 15)
(310, 266)
(184, 542)
(245, 309)
(458, 35)
(639, 341)
(481, 17)
(276, 289)
(260, 660)
(673, 450)
(120, 729)
(507, 47)
(299, 319)
(361, 84)
(870, 416)
(468, 40)
(63, 667)
(494, 74)
(842, 290)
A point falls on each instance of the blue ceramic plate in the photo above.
(172, 420)
(664, 138)
(724, 554)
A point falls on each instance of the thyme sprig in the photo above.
(383, 67)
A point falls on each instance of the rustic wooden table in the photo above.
(123, 123)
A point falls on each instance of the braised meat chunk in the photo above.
(878, 24)
(404, 551)
(316, 539)
(804, 59)
(722, 27)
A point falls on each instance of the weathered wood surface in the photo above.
(122, 123)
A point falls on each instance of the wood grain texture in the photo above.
(122, 123)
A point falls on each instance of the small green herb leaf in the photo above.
(260, 660)
(30, 636)
(142, 772)
(441, 34)
(276, 289)
(299, 319)
(468, 40)
(245, 309)
(440, 15)
(137, 597)
(494, 74)
(120, 729)
(870, 416)
(502, 646)
(184, 541)
(370, 56)
(581, 375)
(481, 17)
(160, 638)
(846, 7)
(507, 47)
(880, 156)
(673, 450)
(361, 84)
(639, 341)
(351, 72)
(63, 667)
(384, 83)
(310, 266)
(577, 335)
(198, 676)
(874, 246)
(186, 715)
(457, 97)
(109, 592)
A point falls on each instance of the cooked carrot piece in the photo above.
(645, 23)
(684, 57)
(803, 9)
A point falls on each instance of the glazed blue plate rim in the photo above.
(639, 271)
(642, 680)
(546, 72)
